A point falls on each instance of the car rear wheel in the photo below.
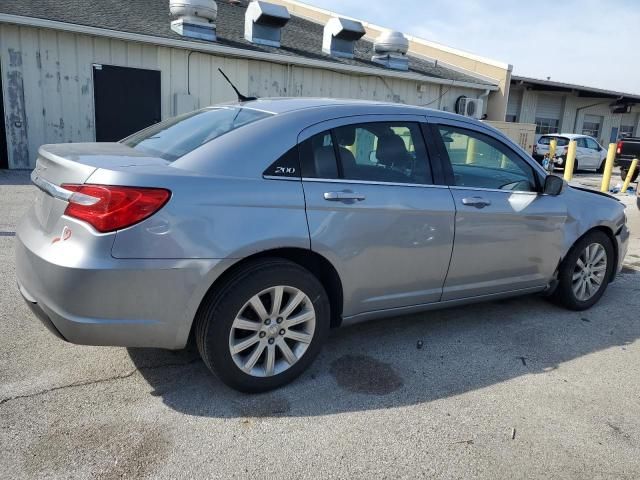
(624, 172)
(264, 326)
(585, 272)
(601, 167)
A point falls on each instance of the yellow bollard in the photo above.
(571, 160)
(553, 146)
(608, 167)
(627, 180)
(471, 151)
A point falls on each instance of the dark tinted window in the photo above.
(480, 161)
(318, 158)
(178, 136)
(288, 165)
(391, 152)
(562, 141)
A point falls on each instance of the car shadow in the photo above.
(408, 360)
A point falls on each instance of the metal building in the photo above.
(565, 108)
(87, 70)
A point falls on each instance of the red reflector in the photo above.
(108, 208)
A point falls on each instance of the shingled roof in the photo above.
(300, 37)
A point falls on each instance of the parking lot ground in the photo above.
(508, 389)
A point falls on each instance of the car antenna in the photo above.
(241, 97)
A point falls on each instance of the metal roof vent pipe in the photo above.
(340, 36)
(194, 18)
(391, 50)
(263, 23)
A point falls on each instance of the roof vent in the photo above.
(195, 18)
(391, 50)
(263, 23)
(340, 36)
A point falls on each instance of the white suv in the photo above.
(590, 154)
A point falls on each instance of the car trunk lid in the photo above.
(74, 163)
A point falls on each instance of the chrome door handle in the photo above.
(342, 196)
(477, 202)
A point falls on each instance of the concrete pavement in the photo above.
(372, 406)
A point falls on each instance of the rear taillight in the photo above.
(535, 149)
(619, 148)
(108, 208)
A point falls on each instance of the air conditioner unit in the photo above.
(469, 107)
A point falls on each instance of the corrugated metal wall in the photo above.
(48, 86)
(571, 110)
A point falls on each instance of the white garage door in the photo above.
(628, 124)
(548, 114)
(549, 107)
(592, 125)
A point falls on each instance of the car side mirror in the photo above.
(553, 185)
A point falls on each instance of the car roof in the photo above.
(277, 105)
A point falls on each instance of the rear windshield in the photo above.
(562, 141)
(178, 136)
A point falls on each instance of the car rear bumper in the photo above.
(128, 303)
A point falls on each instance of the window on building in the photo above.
(480, 161)
(626, 131)
(591, 125)
(545, 126)
(392, 152)
(511, 118)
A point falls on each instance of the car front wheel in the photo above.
(264, 326)
(585, 272)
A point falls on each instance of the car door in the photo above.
(374, 211)
(508, 236)
(594, 153)
(583, 154)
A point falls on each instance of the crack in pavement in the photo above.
(100, 380)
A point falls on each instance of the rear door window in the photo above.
(388, 152)
(591, 144)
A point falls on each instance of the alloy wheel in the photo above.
(272, 331)
(589, 272)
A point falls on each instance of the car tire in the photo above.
(601, 167)
(624, 172)
(568, 291)
(217, 330)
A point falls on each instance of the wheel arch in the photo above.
(609, 233)
(312, 261)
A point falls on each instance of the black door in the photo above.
(126, 100)
(4, 157)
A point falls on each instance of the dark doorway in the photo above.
(4, 156)
(126, 101)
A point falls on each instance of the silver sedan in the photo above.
(254, 228)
